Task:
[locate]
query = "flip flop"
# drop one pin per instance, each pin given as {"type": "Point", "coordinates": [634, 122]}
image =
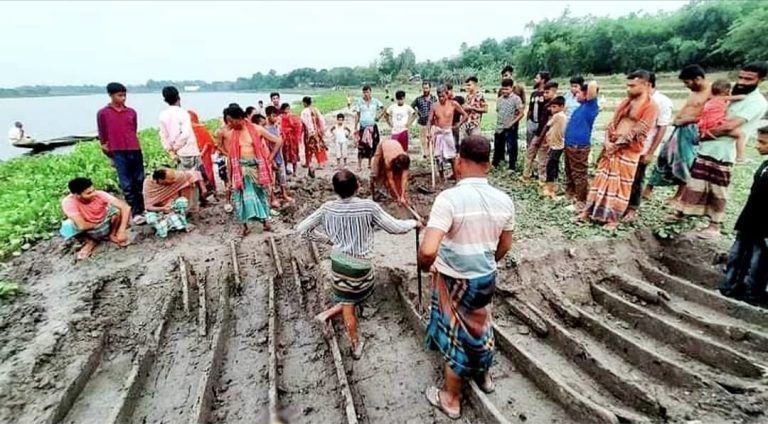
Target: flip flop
{"type": "Point", "coordinates": [433, 397]}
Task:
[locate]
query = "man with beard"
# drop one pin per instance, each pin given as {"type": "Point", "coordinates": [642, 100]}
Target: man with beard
{"type": "Point", "coordinates": [609, 195]}
{"type": "Point", "coordinates": [274, 97]}
{"type": "Point", "coordinates": [676, 156]}
{"type": "Point", "coordinates": [706, 191]}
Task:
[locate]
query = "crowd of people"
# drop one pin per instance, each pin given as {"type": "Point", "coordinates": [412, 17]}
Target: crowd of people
{"type": "Point", "coordinates": [470, 224]}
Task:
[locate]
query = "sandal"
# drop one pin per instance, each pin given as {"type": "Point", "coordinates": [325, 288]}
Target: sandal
{"type": "Point", "coordinates": [433, 397]}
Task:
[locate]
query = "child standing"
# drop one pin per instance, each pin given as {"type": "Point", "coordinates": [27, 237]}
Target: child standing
{"type": "Point", "coordinates": [555, 136]}
{"type": "Point", "coordinates": [398, 116]}
{"type": "Point", "coordinates": [341, 136]}
{"type": "Point", "coordinates": [279, 164]}
{"type": "Point", "coordinates": [715, 113]}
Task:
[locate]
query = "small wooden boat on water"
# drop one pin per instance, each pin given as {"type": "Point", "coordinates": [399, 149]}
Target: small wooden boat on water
{"type": "Point", "coordinates": [53, 143]}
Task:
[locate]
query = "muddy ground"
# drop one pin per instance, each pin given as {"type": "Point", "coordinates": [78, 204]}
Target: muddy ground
{"type": "Point", "coordinates": [189, 330]}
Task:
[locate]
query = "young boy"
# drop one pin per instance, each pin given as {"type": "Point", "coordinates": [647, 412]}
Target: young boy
{"type": "Point", "coordinates": [398, 115]}
{"type": "Point", "coordinates": [341, 136]}
{"type": "Point", "coordinates": [117, 124]}
{"type": "Point", "coordinates": [555, 135]}
{"type": "Point", "coordinates": [746, 274]}
{"type": "Point", "coordinates": [537, 149]}
{"type": "Point", "coordinates": [279, 164]}
{"type": "Point", "coordinates": [715, 112]}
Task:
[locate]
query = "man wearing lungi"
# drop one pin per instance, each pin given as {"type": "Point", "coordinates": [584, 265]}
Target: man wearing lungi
{"type": "Point", "coordinates": [441, 129]}
{"type": "Point", "coordinates": [348, 224]}
{"type": "Point", "coordinates": [469, 230]}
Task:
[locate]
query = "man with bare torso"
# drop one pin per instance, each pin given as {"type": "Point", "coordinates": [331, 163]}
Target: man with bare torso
{"type": "Point", "coordinates": [441, 128]}
{"type": "Point", "coordinates": [677, 154]}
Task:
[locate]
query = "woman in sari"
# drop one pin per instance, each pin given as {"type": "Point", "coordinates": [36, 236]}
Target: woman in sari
{"type": "Point", "coordinates": [249, 166]}
{"type": "Point", "coordinates": [205, 144]}
{"type": "Point", "coordinates": [608, 197]}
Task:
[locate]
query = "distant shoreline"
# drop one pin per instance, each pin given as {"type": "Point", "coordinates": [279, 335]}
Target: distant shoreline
{"type": "Point", "coordinates": [285, 90]}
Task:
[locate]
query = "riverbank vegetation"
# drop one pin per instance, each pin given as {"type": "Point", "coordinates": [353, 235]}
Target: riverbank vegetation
{"type": "Point", "coordinates": [32, 188]}
{"type": "Point", "coordinates": [716, 34]}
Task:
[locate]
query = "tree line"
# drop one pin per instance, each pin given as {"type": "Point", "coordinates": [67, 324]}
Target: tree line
{"type": "Point", "coordinates": [716, 34]}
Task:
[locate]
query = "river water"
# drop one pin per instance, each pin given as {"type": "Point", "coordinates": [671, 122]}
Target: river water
{"type": "Point", "coordinates": [49, 117]}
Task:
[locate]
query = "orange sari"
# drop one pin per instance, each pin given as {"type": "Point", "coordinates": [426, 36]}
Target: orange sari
{"type": "Point", "coordinates": [205, 144]}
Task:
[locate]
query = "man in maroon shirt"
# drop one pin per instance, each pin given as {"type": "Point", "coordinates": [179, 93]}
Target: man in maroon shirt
{"type": "Point", "coordinates": [117, 125]}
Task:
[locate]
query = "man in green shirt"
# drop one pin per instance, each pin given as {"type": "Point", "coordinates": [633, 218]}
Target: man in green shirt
{"type": "Point", "coordinates": [706, 192]}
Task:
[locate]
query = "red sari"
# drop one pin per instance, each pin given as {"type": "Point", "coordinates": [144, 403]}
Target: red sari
{"type": "Point", "coordinates": [290, 125]}
{"type": "Point", "coordinates": [205, 144]}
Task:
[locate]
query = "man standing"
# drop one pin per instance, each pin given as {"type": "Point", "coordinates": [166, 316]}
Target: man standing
{"type": "Point", "coordinates": [117, 126]}
{"type": "Point", "coordinates": [469, 230]}
{"type": "Point", "coordinates": [399, 116]}
{"type": "Point", "coordinates": [475, 107]}
{"type": "Point", "coordinates": [538, 150]}
{"type": "Point", "coordinates": [441, 129]}
{"type": "Point", "coordinates": [509, 111]}
{"type": "Point", "coordinates": [314, 128]}
{"type": "Point", "coordinates": [609, 195]}
{"type": "Point", "coordinates": [673, 166]}
{"type": "Point", "coordinates": [290, 126]}
{"type": "Point", "coordinates": [274, 97]}
{"type": "Point", "coordinates": [571, 97]}
{"type": "Point", "coordinates": [248, 166]}
{"type": "Point", "coordinates": [367, 114]}
{"type": "Point", "coordinates": [746, 274]}
{"type": "Point", "coordinates": [652, 142]}
{"type": "Point", "coordinates": [706, 193]}
{"type": "Point", "coordinates": [422, 105]}
{"type": "Point", "coordinates": [177, 135]}
{"type": "Point", "coordinates": [537, 106]}
{"type": "Point", "coordinates": [349, 224]}
{"type": "Point", "coordinates": [507, 73]}
{"type": "Point", "coordinates": [578, 142]}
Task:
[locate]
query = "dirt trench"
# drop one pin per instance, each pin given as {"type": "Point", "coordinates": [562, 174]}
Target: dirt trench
{"type": "Point", "coordinates": [206, 327]}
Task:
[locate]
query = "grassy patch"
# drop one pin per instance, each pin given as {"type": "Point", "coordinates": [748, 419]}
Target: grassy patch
{"type": "Point", "coordinates": [8, 290]}
{"type": "Point", "coordinates": [34, 186]}
{"type": "Point", "coordinates": [326, 102]}
{"type": "Point", "coordinates": [542, 218]}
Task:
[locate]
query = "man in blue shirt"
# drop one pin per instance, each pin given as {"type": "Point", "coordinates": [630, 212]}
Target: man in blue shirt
{"type": "Point", "coordinates": [578, 135]}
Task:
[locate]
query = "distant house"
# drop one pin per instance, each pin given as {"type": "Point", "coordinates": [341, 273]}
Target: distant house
{"type": "Point", "coordinates": [191, 88]}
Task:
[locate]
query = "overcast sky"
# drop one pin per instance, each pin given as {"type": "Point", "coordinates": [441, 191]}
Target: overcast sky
{"type": "Point", "coordinates": [97, 42]}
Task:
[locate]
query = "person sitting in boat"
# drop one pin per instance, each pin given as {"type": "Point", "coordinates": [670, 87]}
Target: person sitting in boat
{"type": "Point", "coordinates": [17, 135]}
{"type": "Point", "coordinates": [93, 216]}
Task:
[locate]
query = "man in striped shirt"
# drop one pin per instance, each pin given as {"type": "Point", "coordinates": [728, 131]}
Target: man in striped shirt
{"type": "Point", "coordinates": [348, 224]}
{"type": "Point", "coordinates": [469, 230]}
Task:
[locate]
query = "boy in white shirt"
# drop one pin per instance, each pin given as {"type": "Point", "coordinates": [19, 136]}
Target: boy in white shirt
{"type": "Point", "coordinates": [398, 115]}
{"type": "Point", "coordinates": [341, 136]}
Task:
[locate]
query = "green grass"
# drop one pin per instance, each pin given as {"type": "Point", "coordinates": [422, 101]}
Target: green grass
{"type": "Point", "coordinates": [325, 102]}
{"type": "Point", "coordinates": [34, 186]}
{"type": "Point", "coordinates": [8, 290]}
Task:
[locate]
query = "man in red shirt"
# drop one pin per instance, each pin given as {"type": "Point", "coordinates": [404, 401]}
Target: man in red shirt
{"type": "Point", "coordinates": [117, 125]}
